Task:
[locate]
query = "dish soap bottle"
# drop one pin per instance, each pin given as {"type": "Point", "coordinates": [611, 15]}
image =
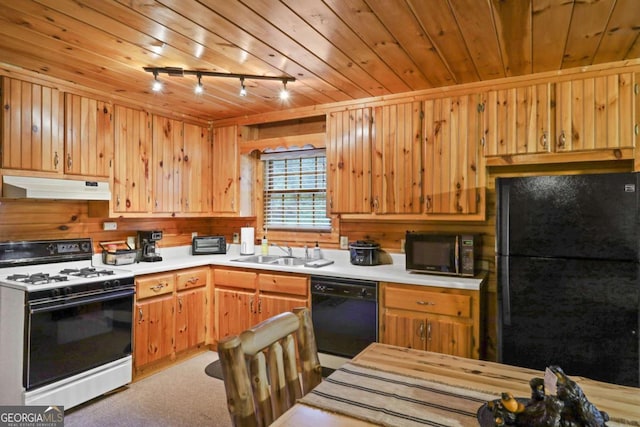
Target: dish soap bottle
{"type": "Point", "coordinates": [265, 245]}
{"type": "Point", "coordinates": [316, 252]}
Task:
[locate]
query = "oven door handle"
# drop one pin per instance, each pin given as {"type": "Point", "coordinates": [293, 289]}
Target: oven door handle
{"type": "Point", "coordinates": [80, 300]}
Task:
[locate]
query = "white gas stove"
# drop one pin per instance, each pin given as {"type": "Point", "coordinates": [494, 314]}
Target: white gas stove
{"type": "Point", "coordinates": [66, 325]}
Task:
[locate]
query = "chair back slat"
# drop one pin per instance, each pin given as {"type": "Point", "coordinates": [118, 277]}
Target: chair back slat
{"type": "Point", "coordinates": [266, 368]}
{"type": "Point", "coordinates": [311, 370]}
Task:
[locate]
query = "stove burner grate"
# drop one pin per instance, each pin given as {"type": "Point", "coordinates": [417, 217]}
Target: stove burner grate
{"type": "Point", "coordinates": [86, 272]}
{"type": "Point", "coordinates": [37, 278]}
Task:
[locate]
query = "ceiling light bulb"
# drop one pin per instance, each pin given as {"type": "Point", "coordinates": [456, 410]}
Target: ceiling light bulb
{"type": "Point", "coordinates": [284, 94]}
{"type": "Point", "coordinates": [199, 88]}
{"type": "Point", "coordinates": [243, 90]}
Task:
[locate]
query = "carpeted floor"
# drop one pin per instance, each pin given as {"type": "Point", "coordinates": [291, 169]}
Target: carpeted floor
{"type": "Point", "coordinates": [182, 395]}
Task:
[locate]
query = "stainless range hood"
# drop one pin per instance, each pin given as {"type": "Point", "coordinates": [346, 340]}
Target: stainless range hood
{"type": "Point", "coordinates": [24, 187]}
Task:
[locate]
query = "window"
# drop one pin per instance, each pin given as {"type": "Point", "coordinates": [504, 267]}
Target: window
{"type": "Point", "coordinates": [295, 190]}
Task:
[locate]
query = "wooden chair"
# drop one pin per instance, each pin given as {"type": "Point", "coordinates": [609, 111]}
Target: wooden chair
{"type": "Point", "coordinates": [262, 375]}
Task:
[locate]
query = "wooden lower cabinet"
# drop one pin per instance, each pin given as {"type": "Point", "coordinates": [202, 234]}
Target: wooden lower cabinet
{"type": "Point", "coordinates": [170, 316]}
{"type": "Point", "coordinates": [435, 319]}
{"type": "Point", "coordinates": [246, 297]}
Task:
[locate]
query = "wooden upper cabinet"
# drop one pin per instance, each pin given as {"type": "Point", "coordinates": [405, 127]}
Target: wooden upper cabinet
{"type": "Point", "coordinates": [595, 113]}
{"type": "Point", "coordinates": [32, 126]}
{"type": "Point", "coordinates": [453, 169]}
{"type": "Point", "coordinates": [349, 147]}
{"type": "Point", "coordinates": [88, 144]}
{"type": "Point", "coordinates": [167, 154]}
{"type": "Point", "coordinates": [226, 170]}
{"type": "Point", "coordinates": [397, 158]}
{"type": "Point", "coordinates": [132, 154]}
{"type": "Point", "coordinates": [590, 115]}
{"type": "Point", "coordinates": [519, 120]}
{"type": "Point", "coordinates": [196, 170]}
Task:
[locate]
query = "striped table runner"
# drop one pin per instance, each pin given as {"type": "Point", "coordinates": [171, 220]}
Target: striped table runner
{"type": "Point", "coordinates": [395, 400]}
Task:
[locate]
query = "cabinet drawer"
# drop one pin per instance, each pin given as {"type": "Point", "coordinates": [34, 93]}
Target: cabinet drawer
{"type": "Point", "coordinates": [428, 302]}
{"type": "Point", "coordinates": [194, 278]}
{"type": "Point", "coordinates": [234, 278]}
{"type": "Point", "coordinates": [292, 285]}
{"type": "Point", "coordinates": [157, 284]}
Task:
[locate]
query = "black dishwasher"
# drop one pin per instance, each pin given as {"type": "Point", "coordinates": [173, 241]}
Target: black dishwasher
{"type": "Point", "coordinates": [344, 313]}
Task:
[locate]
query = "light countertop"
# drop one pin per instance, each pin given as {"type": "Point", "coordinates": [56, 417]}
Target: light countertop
{"type": "Point", "coordinates": [180, 257]}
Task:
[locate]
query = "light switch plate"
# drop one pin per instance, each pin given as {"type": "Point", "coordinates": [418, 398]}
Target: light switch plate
{"type": "Point", "coordinates": [344, 242]}
{"type": "Point", "coordinates": [194, 234]}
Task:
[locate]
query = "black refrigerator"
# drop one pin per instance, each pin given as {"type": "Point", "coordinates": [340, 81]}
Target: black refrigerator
{"type": "Point", "coordinates": [568, 265]}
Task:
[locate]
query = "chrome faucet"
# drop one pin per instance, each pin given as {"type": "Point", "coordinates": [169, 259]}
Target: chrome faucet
{"type": "Point", "coordinates": [286, 250]}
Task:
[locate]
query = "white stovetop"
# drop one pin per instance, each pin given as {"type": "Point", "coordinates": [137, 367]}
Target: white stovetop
{"type": "Point", "coordinates": [180, 257]}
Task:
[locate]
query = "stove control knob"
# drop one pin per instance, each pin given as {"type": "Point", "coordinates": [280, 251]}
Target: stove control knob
{"type": "Point", "coordinates": [363, 292]}
{"type": "Point", "coordinates": [67, 290]}
{"type": "Point", "coordinates": [55, 292]}
{"type": "Point", "coordinates": [116, 283]}
{"type": "Point", "coordinates": [106, 284]}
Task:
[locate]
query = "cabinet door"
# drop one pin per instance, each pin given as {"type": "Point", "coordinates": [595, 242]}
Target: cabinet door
{"type": "Point", "coordinates": [414, 330]}
{"type": "Point", "coordinates": [190, 319]}
{"type": "Point", "coordinates": [403, 329]}
{"type": "Point", "coordinates": [88, 144]}
{"type": "Point", "coordinates": [32, 126]}
{"type": "Point", "coordinates": [131, 181]}
{"type": "Point", "coordinates": [349, 148]}
{"type": "Point", "coordinates": [519, 120]}
{"type": "Point", "coordinates": [196, 170]}
{"type": "Point", "coordinates": [226, 170]}
{"type": "Point", "coordinates": [397, 159]}
{"type": "Point", "coordinates": [153, 332]}
{"type": "Point", "coordinates": [452, 174]}
{"type": "Point", "coordinates": [167, 163]}
{"type": "Point", "coordinates": [595, 113]}
{"type": "Point", "coordinates": [234, 311]}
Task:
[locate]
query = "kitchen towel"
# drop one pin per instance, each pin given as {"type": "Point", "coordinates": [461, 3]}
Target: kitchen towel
{"type": "Point", "coordinates": [247, 241]}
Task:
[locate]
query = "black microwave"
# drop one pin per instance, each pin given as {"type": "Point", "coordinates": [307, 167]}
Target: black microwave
{"type": "Point", "coordinates": [442, 253]}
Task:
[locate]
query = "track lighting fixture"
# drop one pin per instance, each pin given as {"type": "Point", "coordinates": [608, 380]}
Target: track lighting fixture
{"type": "Point", "coordinates": [179, 72]}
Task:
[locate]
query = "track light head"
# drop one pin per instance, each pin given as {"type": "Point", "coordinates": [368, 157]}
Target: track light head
{"type": "Point", "coordinates": [199, 88]}
{"type": "Point", "coordinates": [284, 93]}
{"type": "Point", "coordinates": [157, 84]}
{"type": "Point", "coordinates": [243, 90]}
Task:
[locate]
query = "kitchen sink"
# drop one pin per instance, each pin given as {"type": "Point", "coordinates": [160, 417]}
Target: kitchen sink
{"type": "Point", "coordinates": [272, 259]}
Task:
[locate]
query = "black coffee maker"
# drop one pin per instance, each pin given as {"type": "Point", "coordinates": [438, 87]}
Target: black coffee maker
{"type": "Point", "coordinates": [148, 246]}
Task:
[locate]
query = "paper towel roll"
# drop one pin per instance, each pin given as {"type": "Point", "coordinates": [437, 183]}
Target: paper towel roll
{"type": "Point", "coordinates": [247, 241]}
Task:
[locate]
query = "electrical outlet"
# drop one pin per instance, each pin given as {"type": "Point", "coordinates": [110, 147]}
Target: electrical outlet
{"type": "Point", "coordinates": [402, 242]}
{"type": "Point", "coordinates": [236, 238]}
{"type": "Point", "coordinates": [194, 234]}
{"type": "Point", "coordinates": [109, 226]}
{"type": "Point", "coordinates": [344, 242]}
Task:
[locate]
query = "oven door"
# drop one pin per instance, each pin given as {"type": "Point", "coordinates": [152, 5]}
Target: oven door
{"type": "Point", "coordinates": [66, 337]}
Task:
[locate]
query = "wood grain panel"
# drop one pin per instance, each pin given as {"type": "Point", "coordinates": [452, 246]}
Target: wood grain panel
{"type": "Point", "coordinates": [167, 154]}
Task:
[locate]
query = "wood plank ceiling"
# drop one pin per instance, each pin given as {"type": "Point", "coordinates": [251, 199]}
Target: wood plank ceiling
{"type": "Point", "coordinates": [336, 49]}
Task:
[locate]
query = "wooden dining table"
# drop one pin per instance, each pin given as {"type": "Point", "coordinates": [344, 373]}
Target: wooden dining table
{"type": "Point", "coordinates": [478, 380]}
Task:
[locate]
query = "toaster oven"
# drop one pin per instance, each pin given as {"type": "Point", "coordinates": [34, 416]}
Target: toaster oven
{"type": "Point", "coordinates": [206, 245]}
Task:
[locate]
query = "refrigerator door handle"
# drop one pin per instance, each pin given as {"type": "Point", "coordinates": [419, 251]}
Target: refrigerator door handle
{"type": "Point", "coordinates": [506, 297]}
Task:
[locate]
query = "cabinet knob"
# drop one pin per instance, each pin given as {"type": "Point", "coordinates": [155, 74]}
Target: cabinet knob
{"type": "Point", "coordinates": [562, 139]}
{"type": "Point", "coordinates": [69, 161]}
{"type": "Point", "coordinates": [140, 315]}
{"type": "Point", "coordinates": [543, 139]}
